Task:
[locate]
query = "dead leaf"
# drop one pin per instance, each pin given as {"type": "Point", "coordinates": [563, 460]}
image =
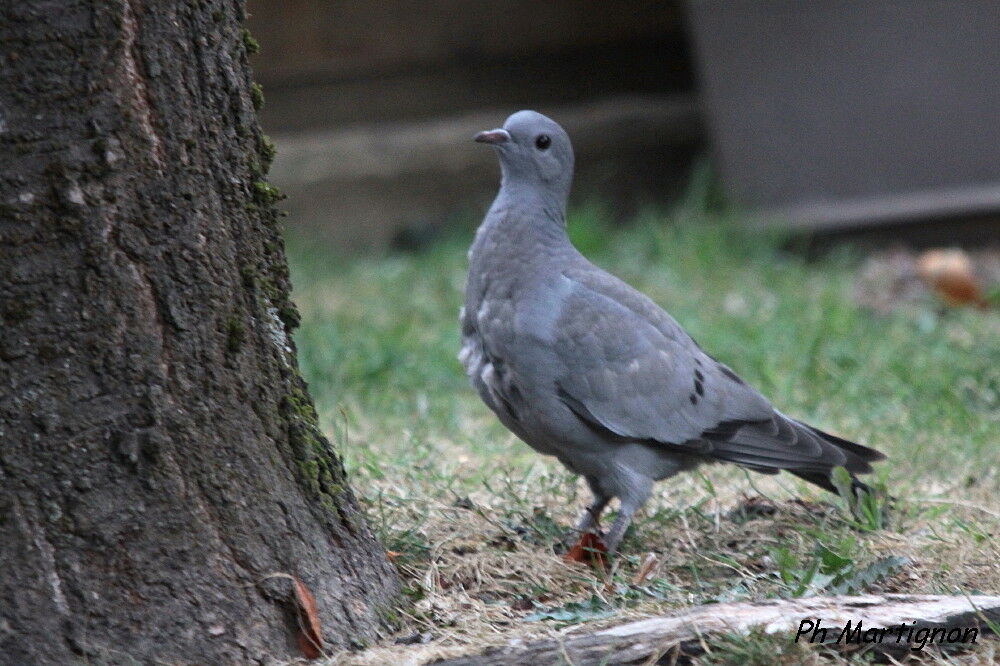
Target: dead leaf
{"type": "Point", "coordinates": [949, 274]}
{"type": "Point", "coordinates": [391, 555]}
{"type": "Point", "coordinates": [589, 549]}
{"type": "Point", "coordinates": [644, 569]}
{"type": "Point", "coordinates": [309, 638]}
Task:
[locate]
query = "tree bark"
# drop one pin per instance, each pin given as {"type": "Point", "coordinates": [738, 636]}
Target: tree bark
{"type": "Point", "coordinates": [159, 453]}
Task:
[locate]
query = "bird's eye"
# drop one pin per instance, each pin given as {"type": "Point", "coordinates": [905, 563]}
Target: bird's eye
{"type": "Point", "coordinates": [543, 141]}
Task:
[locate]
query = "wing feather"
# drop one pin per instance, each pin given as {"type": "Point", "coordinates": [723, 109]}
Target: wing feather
{"type": "Point", "coordinates": [628, 368]}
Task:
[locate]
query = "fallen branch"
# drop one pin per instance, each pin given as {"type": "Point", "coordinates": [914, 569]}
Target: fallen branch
{"type": "Point", "coordinates": [960, 621]}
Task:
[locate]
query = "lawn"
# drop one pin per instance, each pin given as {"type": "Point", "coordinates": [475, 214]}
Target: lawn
{"type": "Point", "coordinates": [471, 514]}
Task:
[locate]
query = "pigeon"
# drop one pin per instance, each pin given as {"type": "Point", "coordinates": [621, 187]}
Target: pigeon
{"type": "Point", "coordinates": [581, 366]}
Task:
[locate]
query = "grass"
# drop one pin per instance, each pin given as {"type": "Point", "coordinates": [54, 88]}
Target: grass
{"type": "Point", "coordinates": [471, 513]}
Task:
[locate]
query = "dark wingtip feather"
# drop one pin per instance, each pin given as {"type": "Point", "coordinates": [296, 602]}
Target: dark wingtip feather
{"type": "Point", "coordinates": [816, 478]}
{"type": "Point", "coordinates": [824, 481]}
{"type": "Point", "coordinates": [859, 459]}
{"type": "Point", "coordinates": [867, 454]}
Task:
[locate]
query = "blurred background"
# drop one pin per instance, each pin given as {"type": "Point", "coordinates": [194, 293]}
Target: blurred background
{"type": "Point", "coordinates": [844, 116]}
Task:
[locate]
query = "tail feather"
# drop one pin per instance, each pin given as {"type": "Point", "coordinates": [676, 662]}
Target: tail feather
{"type": "Point", "coordinates": [824, 481]}
{"type": "Point", "coordinates": [864, 453]}
{"type": "Point", "coordinates": [786, 444]}
{"type": "Point", "coordinates": [858, 461]}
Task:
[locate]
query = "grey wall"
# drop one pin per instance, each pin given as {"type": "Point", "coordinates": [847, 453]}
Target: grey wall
{"type": "Point", "coordinates": [852, 111]}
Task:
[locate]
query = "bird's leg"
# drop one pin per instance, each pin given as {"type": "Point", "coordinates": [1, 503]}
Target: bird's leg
{"type": "Point", "coordinates": [588, 520]}
{"type": "Point", "coordinates": [583, 542]}
{"type": "Point", "coordinates": [630, 502]}
{"type": "Point", "coordinates": [591, 516]}
{"type": "Point", "coordinates": [614, 536]}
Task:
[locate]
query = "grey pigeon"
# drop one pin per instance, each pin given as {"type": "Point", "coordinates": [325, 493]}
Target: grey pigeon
{"type": "Point", "coordinates": [583, 367]}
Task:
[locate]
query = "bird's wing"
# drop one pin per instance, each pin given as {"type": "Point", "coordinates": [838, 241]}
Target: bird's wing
{"type": "Point", "coordinates": [628, 369]}
{"type": "Point", "coordinates": [640, 376]}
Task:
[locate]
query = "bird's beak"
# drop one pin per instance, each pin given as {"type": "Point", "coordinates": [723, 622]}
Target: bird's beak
{"type": "Point", "coordinates": [494, 137]}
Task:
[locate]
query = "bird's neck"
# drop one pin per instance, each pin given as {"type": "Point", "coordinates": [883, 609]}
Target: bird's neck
{"type": "Point", "coordinates": [528, 186]}
{"type": "Point", "coordinates": [521, 231]}
{"type": "Point", "coordinates": [529, 215]}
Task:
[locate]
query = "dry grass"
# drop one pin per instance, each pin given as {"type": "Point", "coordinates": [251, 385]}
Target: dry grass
{"type": "Point", "coordinates": [473, 514]}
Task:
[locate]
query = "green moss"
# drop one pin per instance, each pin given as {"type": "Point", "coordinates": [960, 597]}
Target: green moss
{"type": "Point", "coordinates": [269, 290]}
{"type": "Point", "coordinates": [321, 470]}
{"type": "Point", "coordinates": [275, 297]}
{"type": "Point", "coordinates": [299, 404]}
{"type": "Point", "coordinates": [267, 151]}
{"type": "Point", "coordinates": [310, 472]}
{"type": "Point", "coordinates": [266, 194]}
{"type": "Point", "coordinates": [257, 96]}
{"type": "Point", "coordinates": [249, 276]}
{"type": "Point", "coordinates": [389, 616]}
{"type": "Point", "coordinates": [252, 45]}
{"type": "Point", "coordinates": [289, 314]}
{"type": "Point", "coordinates": [235, 334]}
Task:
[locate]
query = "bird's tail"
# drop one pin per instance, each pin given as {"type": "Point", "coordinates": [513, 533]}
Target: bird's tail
{"type": "Point", "coordinates": [857, 460]}
{"type": "Point", "coordinates": [781, 443]}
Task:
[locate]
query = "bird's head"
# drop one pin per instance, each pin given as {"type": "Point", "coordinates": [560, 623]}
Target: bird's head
{"type": "Point", "coordinates": [534, 151]}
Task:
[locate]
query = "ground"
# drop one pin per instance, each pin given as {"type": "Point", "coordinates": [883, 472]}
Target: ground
{"type": "Point", "coordinates": [470, 514]}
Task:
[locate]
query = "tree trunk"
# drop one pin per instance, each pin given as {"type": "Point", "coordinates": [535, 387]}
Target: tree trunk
{"type": "Point", "coordinates": [159, 454]}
